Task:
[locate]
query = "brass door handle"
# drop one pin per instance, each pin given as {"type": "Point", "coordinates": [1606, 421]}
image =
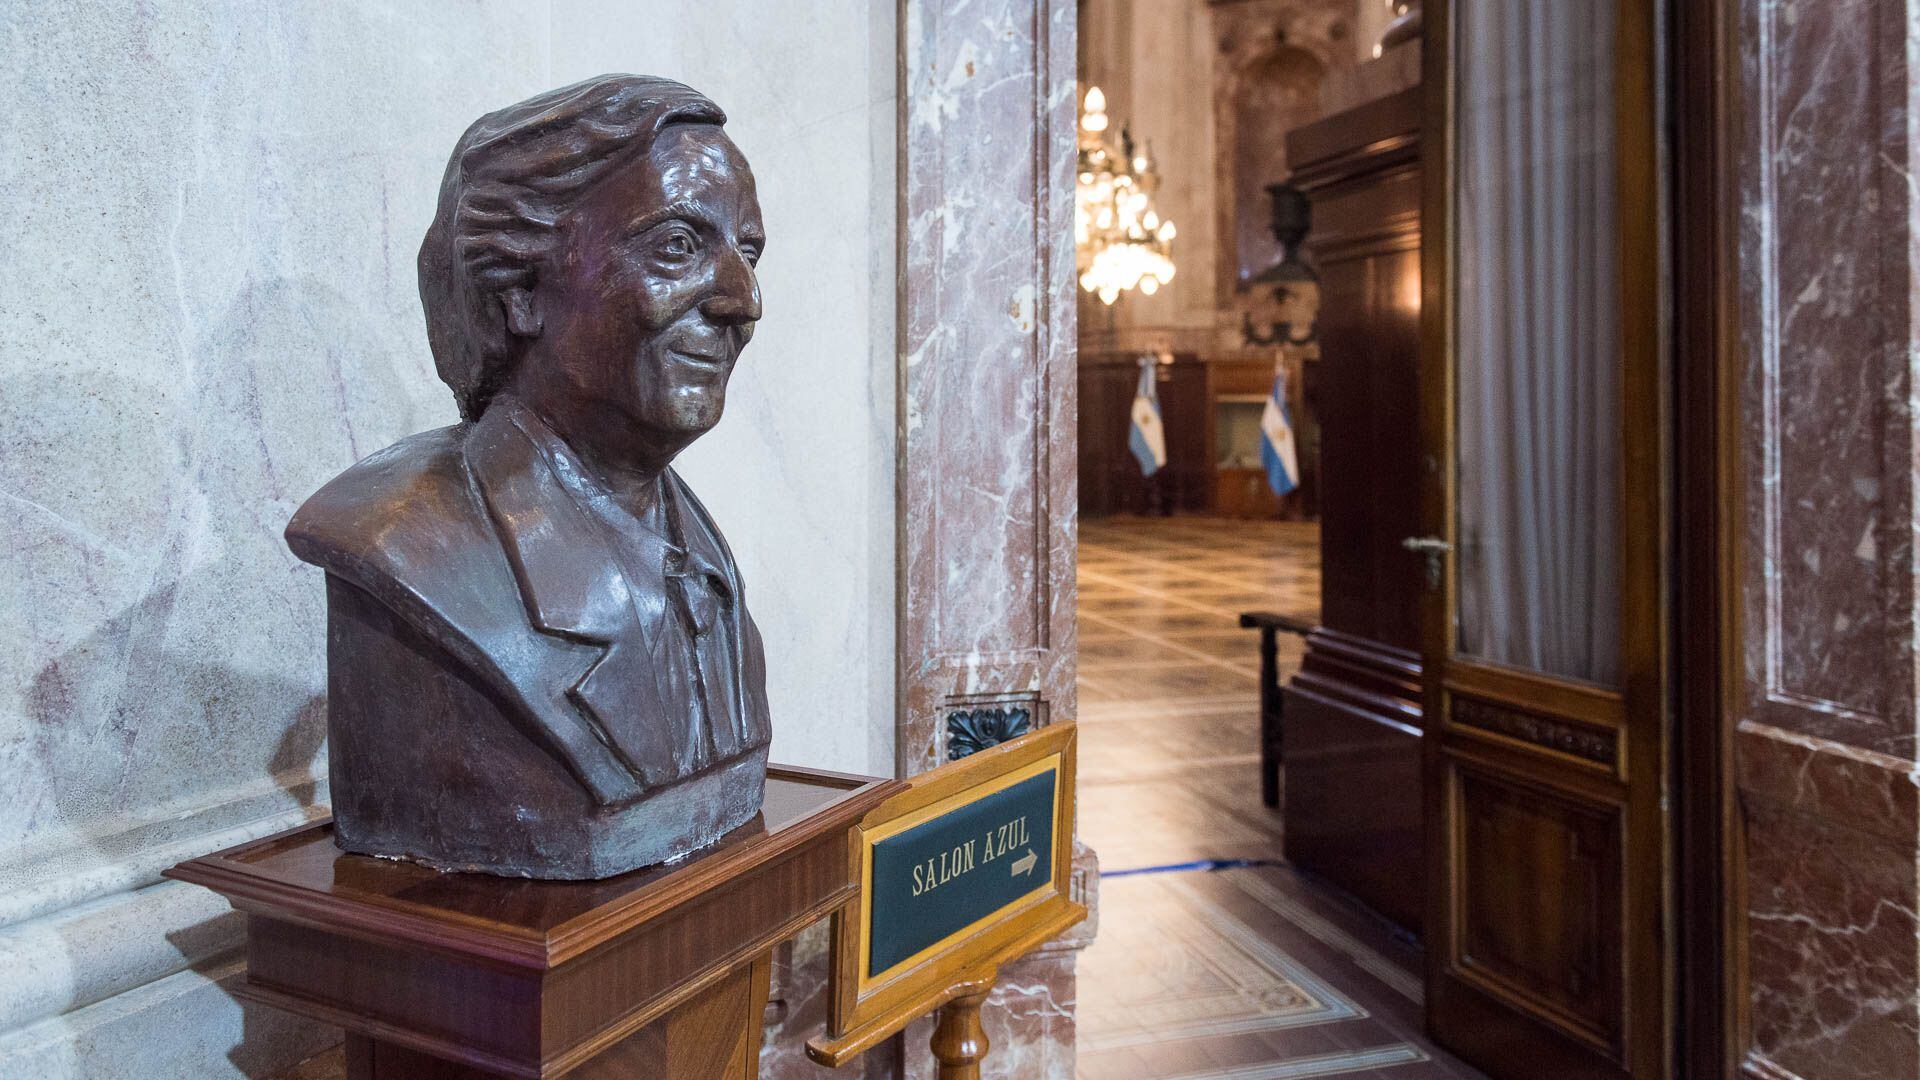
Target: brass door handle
{"type": "Point", "coordinates": [1435, 549]}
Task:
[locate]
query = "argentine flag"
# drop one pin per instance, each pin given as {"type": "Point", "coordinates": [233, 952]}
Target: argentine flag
{"type": "Point", "coordinates": [1276, 440]}
{"type": "Point", "coordinates": [1148, 442]}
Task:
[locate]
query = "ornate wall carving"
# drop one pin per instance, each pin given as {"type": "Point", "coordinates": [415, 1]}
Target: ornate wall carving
{"type": "Point", "coordinates": [1263, 62]}
{"type": "Point", "coordinates": [1271, 57]}
{"type": "Point", "coordinates": [1598, 745]}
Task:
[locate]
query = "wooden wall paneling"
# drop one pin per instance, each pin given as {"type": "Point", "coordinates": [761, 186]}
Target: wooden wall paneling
{"type": "Point", "coordinates": [1104, 397]}
{"type": "Point", "coordinates": [1353, 712]}
{"type": "Point", "coordinates": [1361, 169]}
{"type": "Point", "coordinates": [1186, 484]}
{"type": "Point", "coordinates": [1110, 478]}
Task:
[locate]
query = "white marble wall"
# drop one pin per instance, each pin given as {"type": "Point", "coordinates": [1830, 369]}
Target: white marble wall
{"type": "Point", "coordinates": [207, 308]}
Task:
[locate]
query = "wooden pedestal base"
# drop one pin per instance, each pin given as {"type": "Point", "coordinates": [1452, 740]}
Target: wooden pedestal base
{"type": "Point", "coordinates": [712, 1036]}
{"type": "Point", "coordinates": [658, 973]}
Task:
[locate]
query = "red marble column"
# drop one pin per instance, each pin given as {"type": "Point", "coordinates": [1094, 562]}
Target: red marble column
{"type": "Point", "coordinates": [988, 424]}
{"type": "Point", "coordinates": [987, 485]}
{"type": "Point", "coordinates": [1825, 744]}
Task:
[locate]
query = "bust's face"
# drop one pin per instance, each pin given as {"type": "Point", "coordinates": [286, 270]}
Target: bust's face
{"type": "Point", "coordinates": [652, 296]}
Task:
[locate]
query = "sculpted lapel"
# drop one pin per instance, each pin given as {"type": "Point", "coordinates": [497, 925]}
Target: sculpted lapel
{"type": "Point", "coordinates": [585, 599]}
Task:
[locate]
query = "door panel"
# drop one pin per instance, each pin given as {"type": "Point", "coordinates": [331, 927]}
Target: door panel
{"type": "Point", "coordinates": [1538, 893]}
{"type": "Point", "coordinates": [1543, 375]}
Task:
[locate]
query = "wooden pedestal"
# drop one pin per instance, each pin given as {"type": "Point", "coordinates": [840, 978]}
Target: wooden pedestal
{"type": "Point", "coordinates": [661, 972]}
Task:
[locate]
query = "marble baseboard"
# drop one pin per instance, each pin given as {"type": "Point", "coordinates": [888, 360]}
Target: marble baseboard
{"type": "Point", "coordinates": [80, 870]}
{"type": "Point", "coordinates": [1833, 887]}
{"type": "Point", "coordinates": [74, 959]}
{"type": "Point", "coordinates": [91, 991]}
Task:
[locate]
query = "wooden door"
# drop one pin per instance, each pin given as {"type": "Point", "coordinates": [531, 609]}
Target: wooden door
{"type": "Point", "coordinates": [1544, 622]}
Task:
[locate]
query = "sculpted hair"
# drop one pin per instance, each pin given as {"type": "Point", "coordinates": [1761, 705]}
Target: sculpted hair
{"type": "Point", "coordinates": [512, 177]}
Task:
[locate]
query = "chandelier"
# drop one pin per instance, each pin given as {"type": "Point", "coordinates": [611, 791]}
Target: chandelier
{"type": "Point", "coordinates": [1120, 241]}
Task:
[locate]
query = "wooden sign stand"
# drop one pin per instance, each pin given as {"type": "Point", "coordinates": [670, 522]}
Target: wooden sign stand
{"type": "Point", "coordinates": [661, 972]}
{"type": "Point", "coordinates": [959, 1038]}
{"type": "Point", "coordinates": [974, 816]}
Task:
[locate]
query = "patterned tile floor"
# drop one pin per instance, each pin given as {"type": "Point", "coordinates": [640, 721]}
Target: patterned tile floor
{"type": "Point", "coordinates": [1242, 974]}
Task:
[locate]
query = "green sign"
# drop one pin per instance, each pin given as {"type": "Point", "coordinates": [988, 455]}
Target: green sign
{"type": "Point", "coordinates": [943, 875]}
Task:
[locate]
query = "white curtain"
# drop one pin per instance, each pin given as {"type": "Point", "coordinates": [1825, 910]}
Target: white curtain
{"type": "Point", "coordinates": [1539, 366]}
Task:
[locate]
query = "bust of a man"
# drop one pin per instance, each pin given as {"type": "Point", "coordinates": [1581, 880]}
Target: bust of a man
{"type": "Point", "coordinates": [539, 654]}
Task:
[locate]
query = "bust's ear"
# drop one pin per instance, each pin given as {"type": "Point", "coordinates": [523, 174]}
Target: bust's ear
{"type": "Point", "coordinates": [523, 315]}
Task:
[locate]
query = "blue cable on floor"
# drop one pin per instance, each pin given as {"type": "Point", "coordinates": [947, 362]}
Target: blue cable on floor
{"type": "Point", "coordinates": [1201, 864]}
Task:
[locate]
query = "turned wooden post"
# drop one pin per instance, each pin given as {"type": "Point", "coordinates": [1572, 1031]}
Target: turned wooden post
{"type": "Point", "coordinates": [959, 1038]}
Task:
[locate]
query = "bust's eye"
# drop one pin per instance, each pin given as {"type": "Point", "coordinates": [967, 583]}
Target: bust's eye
{"type": "Point", "coordinates": [678, 243]}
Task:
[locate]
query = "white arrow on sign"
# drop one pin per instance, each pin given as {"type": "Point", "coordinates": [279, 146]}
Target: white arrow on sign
{"type": "Point", "coordinates": [1025, 863]}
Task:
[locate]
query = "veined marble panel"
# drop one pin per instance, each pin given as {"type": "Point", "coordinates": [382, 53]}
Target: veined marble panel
{"type": "Point", "coordinates": [1827, 322]}
{"type": "Point", "coordinates": [988, 425]}
{"type": "Point", "coordinates": [1833, 939]}
{"type": "Point", "coordinates": [987, 417]}
{"type": "Point", "coordinates": [1825, 750]}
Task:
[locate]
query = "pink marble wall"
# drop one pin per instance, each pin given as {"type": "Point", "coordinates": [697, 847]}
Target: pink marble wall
{"type": "Point", "coordinates": [986, 455]}
{"type": "Point", "coordinates": [988, 424]}
{"type": "Point", "coordinates": [987, 427]}
{"type": "Point", "coordinates": [1826, 742]}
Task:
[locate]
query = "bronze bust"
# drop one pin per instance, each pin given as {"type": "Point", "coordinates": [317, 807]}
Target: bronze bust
{"type": "Point", "coordinates": [540, 661]}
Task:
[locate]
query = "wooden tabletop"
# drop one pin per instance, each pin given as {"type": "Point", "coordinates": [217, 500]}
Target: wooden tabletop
{"type": "Point", "coordinates": [300, 876]}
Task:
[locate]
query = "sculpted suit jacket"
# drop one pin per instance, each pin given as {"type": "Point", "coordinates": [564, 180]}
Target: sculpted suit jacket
{"type": "Point", "coordinates": [516, 682]}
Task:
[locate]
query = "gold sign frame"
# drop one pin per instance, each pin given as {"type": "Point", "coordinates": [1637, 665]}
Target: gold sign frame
{"type": "Point", "coordinates": [864, 1010]}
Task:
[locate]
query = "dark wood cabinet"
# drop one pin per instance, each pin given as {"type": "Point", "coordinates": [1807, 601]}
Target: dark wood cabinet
{"type": "Point", "coordinates": [1353, 713]}
{"type": "Point", "coordinates": [1238, 388]}
{"type": "Point", "coordinates": [1110, 480]}
{"type": "Point", "coordinates": [1197, 403]}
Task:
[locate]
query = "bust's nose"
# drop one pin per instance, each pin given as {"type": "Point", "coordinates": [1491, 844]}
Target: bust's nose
{"type": "Point", "coordinates": [736, 294]}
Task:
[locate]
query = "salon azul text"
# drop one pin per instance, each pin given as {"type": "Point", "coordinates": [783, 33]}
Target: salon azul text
{"type": "Point", "coordinates": [978, 853]}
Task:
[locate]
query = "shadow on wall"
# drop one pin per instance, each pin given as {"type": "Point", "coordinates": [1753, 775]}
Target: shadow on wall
{"type": "Point", "coordinates": [203, 701]}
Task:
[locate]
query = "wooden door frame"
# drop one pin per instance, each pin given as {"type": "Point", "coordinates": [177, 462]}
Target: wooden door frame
{"type": "Point", "coordinates": [1711, 936]}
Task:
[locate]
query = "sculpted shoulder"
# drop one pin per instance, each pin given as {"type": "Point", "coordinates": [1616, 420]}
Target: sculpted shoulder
{"type": "Point", "coordinates": [405, 516]}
